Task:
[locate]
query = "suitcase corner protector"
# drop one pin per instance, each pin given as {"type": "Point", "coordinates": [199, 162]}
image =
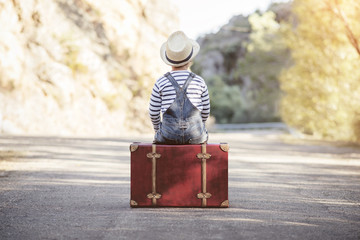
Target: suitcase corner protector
{"type": "Point", "coordinates": [134, 147]}
{"type": "Point", "coordinates": [225, 204]}
{"type": "Point", "coordinates": [224, 146]}
{"type": "Point", "coordinates": [133, 203]}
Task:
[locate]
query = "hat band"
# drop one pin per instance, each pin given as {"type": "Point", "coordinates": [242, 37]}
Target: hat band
{"type": "Point", "coordinates": [182, 61]}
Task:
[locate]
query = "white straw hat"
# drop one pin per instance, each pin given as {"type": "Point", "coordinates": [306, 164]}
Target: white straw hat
{"type": "Point", "coordinates": [178, 50]}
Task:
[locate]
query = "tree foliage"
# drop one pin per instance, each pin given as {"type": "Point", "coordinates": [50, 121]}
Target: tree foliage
{"type": "Point", "coordinates": [241, 64]}
{"type": "Point", "coordinates": [266, 55]}
{"type": "Point", "coordinates": [322, 87]}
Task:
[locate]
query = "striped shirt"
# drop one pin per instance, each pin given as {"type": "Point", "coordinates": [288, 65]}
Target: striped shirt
{"type": "Point", "coordinates": [163, 95]}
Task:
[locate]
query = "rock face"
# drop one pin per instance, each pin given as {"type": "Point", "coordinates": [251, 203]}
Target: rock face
{"type": "Point", "coordinates": [80, 67]}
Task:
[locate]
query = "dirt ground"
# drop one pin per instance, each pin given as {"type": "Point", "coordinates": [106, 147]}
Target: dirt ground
{"type": "Point", "coordinates": [79, 188]}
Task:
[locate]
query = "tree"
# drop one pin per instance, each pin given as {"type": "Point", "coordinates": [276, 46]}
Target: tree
{"type": "Point", "coordinates": [266, 54]}
{"type": "Point", "coordinates": [322, 87]}
{"type": "Point", "coordinates": [241, 64]}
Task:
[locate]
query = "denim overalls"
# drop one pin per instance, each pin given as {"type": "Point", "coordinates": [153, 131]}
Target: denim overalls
{"type": "Point", "coordinates": [182, 122]}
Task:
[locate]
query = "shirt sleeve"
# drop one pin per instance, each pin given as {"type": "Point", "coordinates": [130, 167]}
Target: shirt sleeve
{"type": "Point", "coordinates": [155, 107]}
{"type": "Point", "coordinates": [206, 104]}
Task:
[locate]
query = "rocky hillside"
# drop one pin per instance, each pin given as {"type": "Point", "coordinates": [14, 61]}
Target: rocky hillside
{"type": "Point", "coordinates": [80, 67]}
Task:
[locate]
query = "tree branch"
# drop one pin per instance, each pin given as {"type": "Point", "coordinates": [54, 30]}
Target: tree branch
{"type": "Point", "coordinates": [337, 11]}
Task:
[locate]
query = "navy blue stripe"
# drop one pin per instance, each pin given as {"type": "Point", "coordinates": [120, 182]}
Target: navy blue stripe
{"type": "Point", "coordinates": [157, 91]}
{"type": "Point", "coordinates": [180, 75]}
{"type": "Point", "coordinates": [170, 90]}
{"type": "Point", "coordinates": [180, 82]}
{"type": "Point", "coordinates": [152, 100]}
{"type": "Point", "coordinates": [161, 80]}
{"type": "Point", "coordinates": [168, 93]}
{"type": "Point", "coordinates": [194, 91]}
{"type": "Point", "coordinates": [155, 95]}
{"type": "Point", "coordinates": [170, 98]}
{"type": "Point", "coordinates": [198, 80]}
{"type": "Point", "coordinates": [155, 106]}
{"type": "Point", "coordinates": [164, 84]}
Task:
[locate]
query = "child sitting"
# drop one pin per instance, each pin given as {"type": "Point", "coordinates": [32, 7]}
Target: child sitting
{"type": "Point", "coordinates": [180, 95]}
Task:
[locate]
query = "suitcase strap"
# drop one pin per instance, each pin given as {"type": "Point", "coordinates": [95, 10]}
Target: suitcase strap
{"type": "Point", "coordinates": [153, 195]}
{"type": "Point", "coordinates": [203, 156]}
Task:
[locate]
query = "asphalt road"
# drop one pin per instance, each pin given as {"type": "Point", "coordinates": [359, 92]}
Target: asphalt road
{"type": "Point", "coordinates": [79, 188]}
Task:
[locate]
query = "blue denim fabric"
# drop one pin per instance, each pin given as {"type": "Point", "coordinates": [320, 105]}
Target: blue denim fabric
{"type": "Point", "coordinates": [182, 122]}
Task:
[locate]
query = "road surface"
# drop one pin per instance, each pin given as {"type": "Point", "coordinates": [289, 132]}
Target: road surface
{"type": "Point", "coordinates": [79, 188]}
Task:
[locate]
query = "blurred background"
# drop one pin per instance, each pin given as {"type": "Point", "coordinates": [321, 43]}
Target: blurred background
{"type": "Point", "coordinates": [87, 67]}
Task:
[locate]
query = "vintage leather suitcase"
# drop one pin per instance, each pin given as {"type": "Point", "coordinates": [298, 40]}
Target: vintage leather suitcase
{"type": "Point", "coordinates": [179, 175]}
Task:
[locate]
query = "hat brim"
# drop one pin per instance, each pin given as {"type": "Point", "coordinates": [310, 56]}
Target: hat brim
{"type": "Point", "coordinates": [196, 49]}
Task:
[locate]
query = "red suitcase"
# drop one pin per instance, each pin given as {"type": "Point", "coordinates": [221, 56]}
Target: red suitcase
{"type": "Point", "coordinates": [179, 175]}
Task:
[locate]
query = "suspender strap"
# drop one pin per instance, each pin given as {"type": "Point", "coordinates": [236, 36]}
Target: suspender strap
{"type": "Point", "coordinates": [188, 80]}
{"type": "Point", "coordinates": [173, 82]}
{"type": "Point", "coordinates": [176, 85]}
